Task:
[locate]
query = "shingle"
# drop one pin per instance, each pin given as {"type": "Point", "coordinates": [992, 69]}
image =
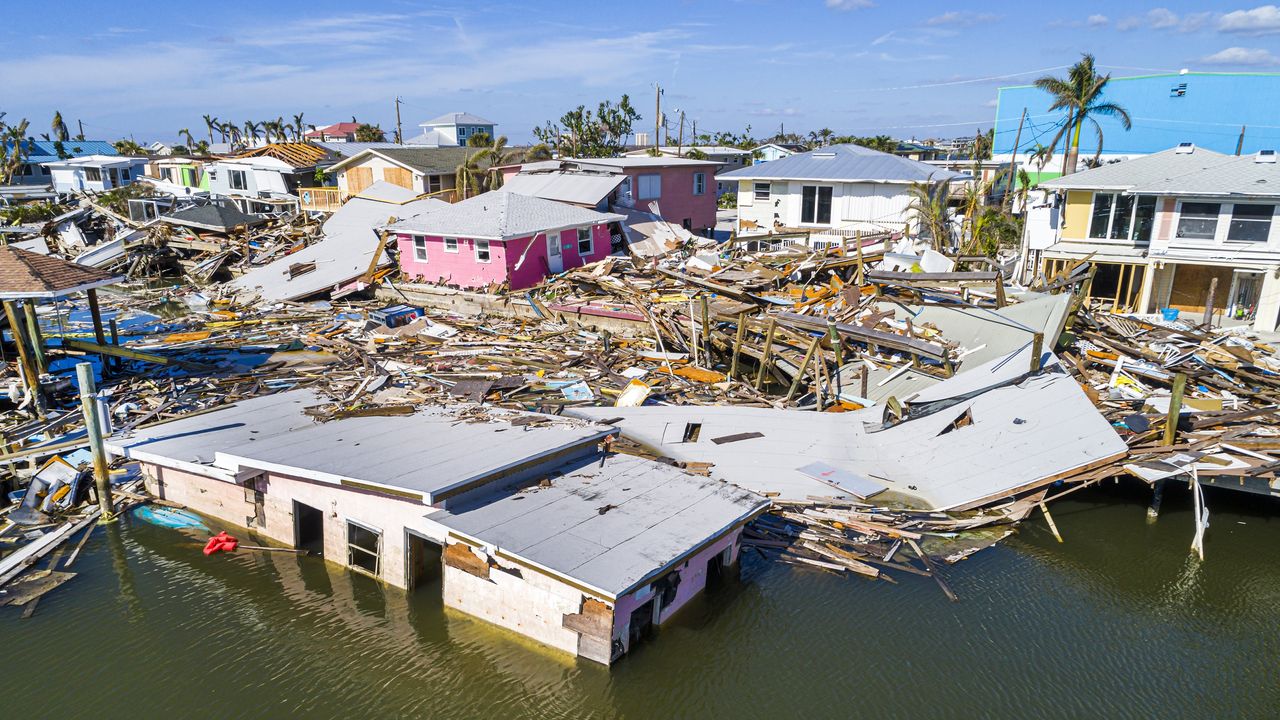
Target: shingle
{"type": "Point", "coordinates": [1128, 174]}
{"type": "Point", "coordinates": [501, 215]}
{"type": "Point", "coordinates": [223, 218]}
{"type": "Point", "coordinates": [27, 274]}
{"type": "Point", "coordinates": [844, 163]}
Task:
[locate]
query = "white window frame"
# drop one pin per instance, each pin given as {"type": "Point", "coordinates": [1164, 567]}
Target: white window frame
{"type": "Point", "coordinates": [434, 184]}
{"type": "Point", "coordinates": [761, 196]}
{"type": "Point", "coordinates": [590, 240]}
{"type": "Point", "coordinates": [488, 251]}
{"type": "Point", "coordinates": [91, 172]}
{"type": "Point", "coordinates": [419, 248]}
{"type": "Point", "coordinates": [351, 549]}
{"type": "Point", "coordinates": [1270, 220]}
{"type": "Point", "coordinates": [1217, 222]}
{"type": "Point", "coordinates": [231, 179]}
{"type": "Point", "coordinates": [453, 240]}
{"type": "Point", "coordinates": [653, 183]}
{"type": "Point", "coordinates": [699, 183]}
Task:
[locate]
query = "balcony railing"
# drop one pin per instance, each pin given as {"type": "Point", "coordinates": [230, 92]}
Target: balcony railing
{"type": "Point", "coordinates": [325, 199]}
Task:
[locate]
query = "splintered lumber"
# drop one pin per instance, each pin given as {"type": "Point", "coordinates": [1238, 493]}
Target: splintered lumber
{"type": "Point", "coordinates": [866, 335]}
{"type": "Point", "coordinates": [946, 590]}
{"type": "Point", "coordinates": [29, 554]}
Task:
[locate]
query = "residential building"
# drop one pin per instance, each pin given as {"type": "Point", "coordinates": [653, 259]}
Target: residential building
{"type": "Point", "coordinates": [775, 151]}
{"type": "Point", "coordinates": [728, 158]}
{"type": "Point", "coordinates": [342, 132]}
{"type": "Point", "coordinates": [1215, 111]}
{"type": "Point", "coordinates": [520, 520]}
{"type": "Point", "coordinates": [267, 178]}
{"type": "Point", "coordinates": [426, 170]}
{"type": "Point", "coordinates": [95, 173]}
{"type": "Point", "coordinates": [839, 189]}
{"type": "Point", "coordinates": [451, 129]}
{"type": "Point", "coordinates": [35, 172]}
{"type": "Point", "coordinates": [177, 175]}
{"type": "Point", "coordinates": [1179, 229]}
{"type": "Point", "coordinates": [501, 237]}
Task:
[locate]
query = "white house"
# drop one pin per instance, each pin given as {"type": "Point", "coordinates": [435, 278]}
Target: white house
{"type": "Point", "coordinates": [95, 173]}
{"type": "Point", "coordinates": [1182, 229]}
{"type": "Point", "coordinates": [266, 178]}
{"type": "Point", "coordinates": [840, 189]}
{"type": "Point", "coordinates": [451, 129]}
{"type": "Point", "coordinates": [775, 151]}
{"type": "Point", "coordinates": [425, 170]}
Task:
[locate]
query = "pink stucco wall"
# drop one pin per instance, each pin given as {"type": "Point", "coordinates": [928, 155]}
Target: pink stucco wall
{"type": "Point", "coordinates": [678, 201]}
{"type": "Point", "coordinates": [462, 269]}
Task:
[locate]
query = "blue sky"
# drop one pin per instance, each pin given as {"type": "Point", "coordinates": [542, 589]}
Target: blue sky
{"type": "Point", "coordinates": [148, 68]}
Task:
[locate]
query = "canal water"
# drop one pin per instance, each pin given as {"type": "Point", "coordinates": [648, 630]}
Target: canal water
{"type": "Point", "coordinates": [1118, 621]}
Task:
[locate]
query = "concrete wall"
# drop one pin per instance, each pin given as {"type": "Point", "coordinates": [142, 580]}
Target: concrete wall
{"type": "Point", "coordinates": [227, 502]}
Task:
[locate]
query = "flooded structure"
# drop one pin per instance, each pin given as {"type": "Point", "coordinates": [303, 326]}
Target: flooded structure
{"type": "Point", "coordinates": [532, 526]}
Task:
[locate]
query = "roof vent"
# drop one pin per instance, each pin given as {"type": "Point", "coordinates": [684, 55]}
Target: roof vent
{"type": "Point", "coordinates": [824, 155]}
{"type": "Point", "coordinates": [1185, 148]}
{"type": "Point", "coordinates": [1265, 156]}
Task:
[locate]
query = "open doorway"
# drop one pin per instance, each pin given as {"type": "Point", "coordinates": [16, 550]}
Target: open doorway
{"type": "Point", "coordinates": [308, 528]}
{"type": "Point", "coordinates": [641, 624]}
{"type": "Point", "coordinates": [423, 561]}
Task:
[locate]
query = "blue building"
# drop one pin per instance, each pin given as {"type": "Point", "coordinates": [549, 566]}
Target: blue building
{"type": "Point", "coordinates": [43, 151]}
{"type": "Point", "coordinates": [1208, 109]}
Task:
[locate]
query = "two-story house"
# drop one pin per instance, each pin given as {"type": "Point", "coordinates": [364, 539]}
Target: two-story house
{"type": "Point", "coordinates": [451, 129]}
{"type": "Point", "coordinates": [839, 189]}
{"type": "Point", "coordinates": [728, 159]}
{"type": "Point", "coordinates": [1182, 229]}
{"type": "Point", "coordinates": [266, 179]}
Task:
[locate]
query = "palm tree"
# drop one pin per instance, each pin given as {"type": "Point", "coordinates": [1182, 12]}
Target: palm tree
{"type": "Point", "coordinates": [297, 127]}
{"type": "Point", "coordinates": [211, 122]}
{"type": "Point", "coordinates": [251, 129]}
{"type": "Point", "coordinates": [468, 177]}
{"type": "Point", "coordinates": [13, 149]}
{"type": "Point", "coordinates": [1080, 94]}
{"type": "Point", "coordinates": [496, 155]}
{"type": "Point", "coordinates": [931, 212]}
{"type": "Point", "coordinates": [128, 147]}
{"type": "Point", "coordinates": [186, 133]}
{"type": "Point", "coordinates": [59, 128]}
{"type": "Point", "coordinates": [538, 153]}
{"type": "Point", "coordinates": [201, 148]}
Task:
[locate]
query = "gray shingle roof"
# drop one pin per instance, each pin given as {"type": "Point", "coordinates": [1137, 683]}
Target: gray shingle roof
{"type": "Point", "coordinates": [501, 215]}
{"type": "Point", "coordinates": [1128, 174]}
{"type": "Point", "coordinates": [844, 163]}
{"type": "Point", "coordinates": [458, 118]}
{"type": "Point", "coordinates": [222, 218]}
{"type": "Point", "coordinates": [1234, 176]}
{"type": "Point", "coordinates": [429, 160]}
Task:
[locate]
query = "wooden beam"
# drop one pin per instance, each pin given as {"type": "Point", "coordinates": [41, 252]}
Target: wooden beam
{"type": "Point", "coordinates": [867, 335]}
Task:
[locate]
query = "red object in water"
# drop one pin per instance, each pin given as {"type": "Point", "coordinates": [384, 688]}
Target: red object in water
{"type": "Point", "coordinates": [219, 543]}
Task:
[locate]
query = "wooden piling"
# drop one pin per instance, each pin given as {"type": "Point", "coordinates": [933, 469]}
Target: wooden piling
{"type": "Point", "coordinates": [737, 345]}
{"type": "Point", "coordinates": [37, 341]}
{"type": "Point", "coordinates": [764, 354]}
{"type": "Point", "coordinates": [29, 374]}
{"type": "Point", "coordinates": [1037, 350]}
{"type": "Point", "coordinates": [93, 426]}
{"type": "Point", "coordinates": [795, 381]}
{"type": "Point", "coordinates": [1175, 408]}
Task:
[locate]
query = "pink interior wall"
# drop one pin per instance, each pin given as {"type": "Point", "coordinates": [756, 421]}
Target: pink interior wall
{"type": "Point", "coordinates": [678, 201]}
{"type": "Point", "coordinates": [1164, 219]}
{"type": "Point", "coordinates": [460, 268]}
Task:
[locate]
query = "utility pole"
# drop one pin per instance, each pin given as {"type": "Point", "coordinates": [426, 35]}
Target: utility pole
{"type": "Point", "coordinates": [399, 130]}
{"type": "Point", "coordinates": [81, 124]}
{"type": "Point", "coordinates": [693, 134]}
{"type": "Point", "coordinates": [657, 116]}
{"type": "Point", "coordinates": [1013, 160]}
{"type": "Point", "coordinates": [680, 136]}
{"type": "Point", "coordinates": [1240, 142]}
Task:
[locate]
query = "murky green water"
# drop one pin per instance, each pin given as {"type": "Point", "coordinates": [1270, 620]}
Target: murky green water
{"type": "Point", "coordinates": [1116, 622]}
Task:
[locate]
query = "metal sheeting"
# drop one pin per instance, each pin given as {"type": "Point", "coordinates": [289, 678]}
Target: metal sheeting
{"type": "Point", "coordinates": [844, 163]}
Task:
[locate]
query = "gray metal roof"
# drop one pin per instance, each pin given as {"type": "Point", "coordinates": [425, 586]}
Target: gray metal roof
{"type": "Point", "coordinates": [1129, 174]}
{"type": "Point", "coordinates": [579, 188]}
{"type": "Point", "coordinates": [428, 453]}
{"type": "Point", "coordinates": [844, 163]}
{"type": "Point", "coordinates": [502, 215]}
{"type": "Point", "coordinates": [443, 160]}
{"type": "Point", "coordinates": [457, 118]}
{"type": "Point", "coordinates": [610, 526]}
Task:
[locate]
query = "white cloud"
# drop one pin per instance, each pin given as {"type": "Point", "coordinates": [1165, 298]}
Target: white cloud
{"type": "Point", "coordinates": [1262, 20]}
{"type": "Point", "coordinates": [1161, 18]}
{"type": "Point", "coordinates": [1251, 57]}
{"type": "Point", "coordinates": [1096, 21]}
{"type": "Point", "coordinates": [849, 4]}
{"type": "Point", "coordinates": [1165, 19]}
{"type": "Point", "coordinates": [960, 19]}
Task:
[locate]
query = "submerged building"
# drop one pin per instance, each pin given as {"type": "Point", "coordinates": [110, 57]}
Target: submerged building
{"type": "Point", "coordinates": [523, 520]}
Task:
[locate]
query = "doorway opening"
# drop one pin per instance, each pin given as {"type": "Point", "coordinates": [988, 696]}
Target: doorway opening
{"type": "Point", "coordinates": [308, 528]}
{"type": "Point", "coordinates": [641, 624]}
{"type": "Point", "coordinates": [423, 560]}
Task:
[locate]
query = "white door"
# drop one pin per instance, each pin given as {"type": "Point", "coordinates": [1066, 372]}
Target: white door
{"type": "Point", "coordinates": [554, 259]}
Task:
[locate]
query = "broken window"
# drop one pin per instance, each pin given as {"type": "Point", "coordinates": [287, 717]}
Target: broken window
{"type": "Point", "coordinates": [364, 547]}
{"type": "Point", "coordinates": [691, 432]}
{"type": "Point", "coordinates": [93, 174]}
{"type": "Point", "coordinates": [1198, 221]}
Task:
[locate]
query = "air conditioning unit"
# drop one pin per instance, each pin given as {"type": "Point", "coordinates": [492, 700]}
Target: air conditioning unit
{"type": "Point", "coordinates": [1185, 148]}
{"type": "Point", "coordinates": [1265, 156]}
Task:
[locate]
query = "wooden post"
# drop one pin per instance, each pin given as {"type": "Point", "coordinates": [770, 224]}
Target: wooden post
{"type": "Point", "coordinates": [795, 381]}
{"type": "Point", "coordinates": [859, 278]}
{"type": "Point", "coordinates": [1208, 303]}
{"type": "Point", "coordinates": [24, 358]}
{"type": "Point", "coordinates": [1175, 408]}
{"type": "Point", "coordinates": [96, 313]}
{"type": "Point", "coordinates": [737, 344]}
{"type": "Point", "coordinates": [1037, 350]}
{"type": "Point", "coordinates": [706, 331]}
{"type": "Point", "coordinates": [863, 382]}
{"type": "Point", "coordinates": [768, 347]}
{"type": "Point", "coordinates": [37, 341]}
{"type": "Point", "coordinates": [1049, 519]}
{"type": "Point", "coordinates": [93, 425]}
{"type": "Point", "coordinates": [1157, 495]}
{"type": "Point", "coordinates": [836, 344]}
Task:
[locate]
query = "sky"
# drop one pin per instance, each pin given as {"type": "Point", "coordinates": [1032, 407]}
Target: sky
{"type": "Point", "coordinates": [147, 68]}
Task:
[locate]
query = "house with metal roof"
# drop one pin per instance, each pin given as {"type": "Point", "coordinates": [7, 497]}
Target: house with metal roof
{"type": "Point", "coordinates": [426, 170]}
{"type": "Point", "coordinates": [1187, 229]}
{"type": "Point", "coordinates": [501, 237]}
{"type": "Point", "coordinates": [518, 519]}
{"type": "Point", "coordinates": [39, 152]}
{"type": "Point", "coordinates": [840, 189]}
{"type": "Point", "coordinates": [453, 128]}
{"type": "Point", "coordinates": [95, 173]}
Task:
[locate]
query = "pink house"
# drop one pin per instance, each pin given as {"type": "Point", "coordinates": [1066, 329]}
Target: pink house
{"type": "Point", "coordinates": [501, 237]}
